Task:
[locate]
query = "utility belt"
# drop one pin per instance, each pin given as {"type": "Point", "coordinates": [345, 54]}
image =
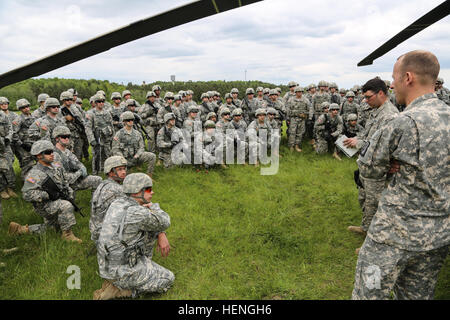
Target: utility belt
{"type": "Point", "coordinates": [130, 255]}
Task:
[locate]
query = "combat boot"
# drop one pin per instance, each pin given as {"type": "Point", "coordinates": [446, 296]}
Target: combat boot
{"type": "Point", "coordinates": [11, 193]}
{"type": "Point", "coordinates": [335, 155]}
{"type": "Point", "coordinates": [291, 149]}
{"type": "Point", "coordinates": [357, 229]}
{"type": "Point", "coordinates": [111, 292]}
{"type": "Point", "coordinates": [97, 293]}
{"type": "Point", "coordinates": [5, 195]}
{"type": "Point", "coordinates": [297, 148]}
{"type": "Point", "coordinates": [69, 236]}
{"type": "Point", "coordinates": [357, 251]}
{"type": "Point", "coordinates": [158, 163]}
{"type": "Point", "coordinates": [223, 166]}
{"type": "Point", "coordinates": [16, 229]}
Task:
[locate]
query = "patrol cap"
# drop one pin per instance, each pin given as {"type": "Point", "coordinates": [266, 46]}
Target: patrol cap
{"type": "Point", "coordinates": [224, 111]}
{"type": "Point", "coordinates": [40, 146]}
{"type": "Point", "coordinates": [168, 95]}
{"type": "Point", "coordinates": [61, 131]}
{"type": "Point", "coordinates": [249, 91]}
{"type": "Point", "coordinates": [237, 112]}
{"type": "Point", "coordinates": [334, 106]}
{"type": "Point", "coordinates": [115, 95]}
{"type": "Point", "coordinates": [135, 182]}
{"type": "Point", "coordinates": [325, 105]}
{"type": "Point", "coordinates": [298, 89]}
{"type": "Point", "coordinates": [352, 117]}
{"type": "Point", "coordinates": [234, 90]}
{"type": "Point", "coordinates": [210, 115]}
{"type": "Point", "coordinates": [22, 103]}
{"type": "Point", "coordinates": [114, 162]}
{"type": "Point", "coordinates": [292, 84]}
{"type": "Point", "coordinates": [156, 87]}
{"type": "Point", "coordinates": [42, 97]}
{"type": "Point", "coordinates": [260, 111]}
{"type": "Point", "coordinates": [272, 92]}
{"type": "Point", "coordinates": [168, 116]}
{"type": "Point", "coordinates": [271, 111]}
{"type": "Point", "coordinates": [209, 124]}
{"type": "Point", "coordinates": [127, 115]}
{"type": "Point", "coordinates": [125, 92]}
{"type": "Point", "coordinates": [193, 109]}
{"type": "Point", "coordinates": [130, 102]}
{"type": "Point", "coordinates": [66, 95]}
{"type": "Point", "coordinates": [350, 94]}
{"type": "Point", "coordinates": [51, 102]}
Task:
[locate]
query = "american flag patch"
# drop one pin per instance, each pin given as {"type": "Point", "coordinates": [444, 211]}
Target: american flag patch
{"type": "Point", "coordinates": [31, 179]}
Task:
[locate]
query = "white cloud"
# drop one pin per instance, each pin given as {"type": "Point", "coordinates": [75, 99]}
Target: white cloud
{"type": "Point", "coordinates": [274, 41]}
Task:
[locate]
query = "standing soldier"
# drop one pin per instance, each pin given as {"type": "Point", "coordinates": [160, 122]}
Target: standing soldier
{"type": "Point", "coordinates": [26, 160]}
{"type": "Point", "coordinates": [249, 105]}
{"type": "Point", "coordinates": [328, 127]}
{"type": "Point", "coordinates": [41, 110]}
{"type": "Point", "coordinates": [107, 191]}
{"type": "Point", "coordinates": [116, 110]}
{"type": "Point", "coordinates": [206, 107]}
{"type": "Point", "coordinates": [189, 101]}
{"type": "Point", "coordinates": [100, 131]}
{"type": "Point", "coordinates": [129, 144]}
{"type": "Point", "coordinates": [334, 93]}
{"type": "Point", "coordinates": [349, 105]}
{"type": "Point", "coordinates": [148, 113]}
{"type": "Point", "coordinates": [320, 97]}
{"type": "Point", "coordinates": [260, 101]}
{"type": "Point", "coordinates": [57, 212]}
{"type": "Point", "coordinates": [74, 121]}
{"type": "Point", "coordinates": [178, 111]}
{"type": "Point", "coordinates": [290, 94]}
{"type": "Point", "coordinates": [75, 171]}
{"type": "Point", "coordinates": [166, 108]}
{"type": "Point", "coordinates": [126, 94]}
{"type": "Point", "coordinates": [300, 109]}
{"type": "Point", "coordinates": [236, 101]}
{"type": "Point", "coordinates": [311, 90]}
{"type": "Point", "coordinates": [159, 101]}
{"type": "Point", "coordinates": [7, 175]}
{"type": "Point", "coordinates": [133, 225]}
{"type": "Point", "coordinates": [277, 105]}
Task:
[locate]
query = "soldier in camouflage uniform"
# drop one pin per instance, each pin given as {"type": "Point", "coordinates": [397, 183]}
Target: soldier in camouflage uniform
{"type": "Point", "coordinates": [298, 111]}
{"type": "Point", "coordinates": [108, 190]}
{"type": "Point", "coordinates": [75, 171]}
{"type": "Point", "coordinates": [166, 108]}
{"type": "Point", "coordinates": [57, 213]}
{"type": "Point", "coordinates": [192, 128]}
{"type": "Point", "coordinates": [133, 225]}
{"type": "Point", "coordinates": [260, 101]}
{"type": "Point", "coordinates": [205, 107]}
{"type": "Point", "coordinates": [290, 94]}
{"type": "Point", "coordinates": [169, 137]}
{"type": "Point", "coordinates": [349, 105]}
{"type": "Point", "coordinates": [74, 121]}
{"type": "Point", "coordinates": [100, 133]}
{"type": "Point", "coordinates": [129, 144]}
{"type": "Point", "coordinates": [351, 128]}
{"type": "Point", "coordinates": [148, 113]}
{"type": "Point", "coordinates": [41, 110]}
{"type": "Point", "coordinates": [25, 120]}
{"type": "Point", "coordinates": [277, 105]}
{"type": "Point", "coordinates": [328, 128]}
{"type": "Point", "coordinates": [159, 101]}
{"type": "Point", "coordinates": [408, 239]}
{"type": "Point", "coordinates": [178, 111]}
{"type": "Point", "coordinates": [116, 110]}
{"type": "Point", "coordinates": [383, 111]}
{"type": "Point", "coordinates": [334, 94]}
{"type": "Point", "coordinates": [259, 137]}
{"type": "Point", "coordinates": [126, 94]}
{"type": "Point", "coordinates": [249, 105]}
{"type": "Point", "coordinates": [13, 118]}
{"type": "Point", "coordinates": [42, 128]}
{"type": "Point", "coordinates": [228, 103]}
{"type": "Point", "coordinates": [235, 96]}
{"type": "Point", "coordinates": [320, 97]}
{"type": "Point", "coordinates": [7, 175]}
{"type": "Point", "coordinates": [240, 132]}
{"type": "Point", "coordinates": [209, 144]}
{"type": "Point", "coordinates": [441, 92]}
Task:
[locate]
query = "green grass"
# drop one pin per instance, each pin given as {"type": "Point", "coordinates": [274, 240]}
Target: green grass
{"type": "Point", "coordinates": [234, 234]}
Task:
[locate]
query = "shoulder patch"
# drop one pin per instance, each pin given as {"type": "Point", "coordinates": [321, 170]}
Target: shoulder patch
{"type": "Point", "coordinates": [364, 148]}
{"type": "Point", "coordinates": [31, 180]}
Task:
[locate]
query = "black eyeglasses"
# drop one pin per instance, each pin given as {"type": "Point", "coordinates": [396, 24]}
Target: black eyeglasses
{"type": "Point", "coordinates": [48, 152]}
{"type": "Point", "coordinates": [369, 97]}
{"type": "Point", "coordinates": [65, 137]}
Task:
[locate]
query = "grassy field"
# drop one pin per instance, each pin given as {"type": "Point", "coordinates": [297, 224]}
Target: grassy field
{"type": "Point", "coordinates": [235, 234]}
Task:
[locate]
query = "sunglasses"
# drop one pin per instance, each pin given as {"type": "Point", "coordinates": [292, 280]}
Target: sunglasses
{"type": "Point", "coordinates": [65, 137]}
{"type": "Point", "coordinates": [100, 101]}
{"type": "Point", "coordinates": [48, 152]}
{"type": "Point", "coordinates": [129, 120]}
{"type": "Point", "coordinates": [148, 190]}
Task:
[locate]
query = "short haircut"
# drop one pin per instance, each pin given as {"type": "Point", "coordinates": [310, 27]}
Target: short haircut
{"type": "Point", "coordinates": [376, 85]}
{"type": "Point", "coordinates": [423, 63]}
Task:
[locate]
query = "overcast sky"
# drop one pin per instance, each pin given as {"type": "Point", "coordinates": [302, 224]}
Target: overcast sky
{"type": "Point", "coordinates": [273, 40]}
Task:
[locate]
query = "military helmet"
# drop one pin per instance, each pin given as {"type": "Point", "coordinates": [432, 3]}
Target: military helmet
{"type": "Point", "coordinates": [356, 88]}
{"type": "Point", "coordinates": [298, 89]}
{"type": "Point", "coordinates": [127, 115]}
{"type": "Point", "coordinates": [322, 83]}
{"type": "Point", "coordinates": [312, 86]}
{"type": "Point", "coordinates": [130, 102]}
{"type": "Point", "coordinates": [168, 95]}
{"type": "Point", "coordinates": [101, 92]}
{"type": "Point", "coordinates": [168, 116]}
{"type": "Point", "coordinates": [209, 124]}
{"type": "Point", "coordinates": [150, 94]}
{"type": "Point", "coordinates": [216, 93]}
{"type": "Point", "coordinates": [228, 96]}
{"type": "Point", "coordinates": [210, 115]}
{"type": "Point", "coordinates": [234, 90]}
{"type": "Point", "coordinates": [176, 97]}
{"type": "Point", "coordinates": [333, 85]}
{"type": "Point", "coordinates": [237, 112]}
{"type": "Point", "coordinates": [342, 90]}
{"type": "Point", "coordinates": [79, 101]}
{"type": "Point", "coordinates": [91, 99]}
{"type": "Point", "coordinates": [224, 110]}
{"type": "Point", "coordinates": [273, 91]}
{"type": "Point", "coordinates": [40, 146]}
{"type": "Point", "coordinates": [61, 131]}
{"type": "Point", "coordinates": [259, 89]}
{"type": "Point", "coordinates": [115, 95]}
{"type": "Point", "coordinates": [352, 117]}
{"type": "Point", "coordinates": [350, 94]}
{"type": "Point", "coordinates": [98, 97]}
{"type": "Point", "coordinates": [210, 94]}
{"type": "Point", "coordinates": [182, 93]}
{"type": "Point", "coordinates": [249, 91]}
{"type": "Point", "coordinates": [387, 83]}
{"type": "Point", "coordinates": [22, 103]}
{"type": "Point", "coordinates": [125, 92]}
{"type": "Point", "coordinates": [266, 91]}
{"type": "Point", "coordinates": [204, 95]}
{"type": "Point", "coordinates": [156, 87]}
{"type": "Point", "coordinates": [114, 162]}
{"type": "Point", "coordinates": [71, 90]}
{"type": "Point", "coordinates": [278, 89]}
{"type": "Point", "coordinates": [260, 111]}
{"type": "Point", "coordinates": [42, 97]}
{"type": "Point", "coordinates": [51, 102]}
{"type": "Point", "coordinates": [325, 105]}
{"type": "Point", "coordinates": [193, 109]}
{"type": "Point", "coordinates": [292, 84]}
{"type": "Point", "coordinates": [66, 95]}
{"type": "Point", "coordinates": [271, 111]}
{"type": "Point", "coordinates": [334, 106]}
{"type": "Point", "coordinates": [190, 92]}
{"type": "Point", "coordinates": [135, 182]}
{"type": "Point", "coordinates": [440, 80]}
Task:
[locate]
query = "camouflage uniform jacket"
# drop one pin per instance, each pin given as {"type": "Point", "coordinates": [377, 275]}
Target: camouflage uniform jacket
{"type": "Point", "coordinates": [69, 162]}
{"type": "Point", "coordinates": [317, 101]}
{"type": "Point", "coordinates": [287, 97]}
{"type": "Point", "coordinates": [128, 233]}
{"type": "Point", "coordinates": [240, 129]}
{"type": "Point", "coordinates": [364, 111]}
{"type": "Point", "coordinates": [249, 107]}
{"type": "Point", "coordinates": [280, 107]}
{"type": "Point", "coordinates": [116, 112]}
{"type": "Point", "coordinates": [348, 108]}
{"type": "Point", "coordinates": [167, 138]}
{"type": "Point", "coordinates": [162, 111]}
{"type": "Point", "coordinates": [336, 125]}
{"type": "Point", "coordinates": [36, 131]}
{"type": "Point", "coordinates": [39, 112]}
{"type": "Point", "coordinates": [23, 124]}
{"type": "Point", "coordinates": [254, 129]}
{"type": "Point", "coordinates": [300, 108]}
{"type": "Point", "coordinates": [99, 122]}
{"type": "Point", "coordinates": [76, 132]}
{"type": "Point", "coordinates": [128, 144]}
{"type": "Point", "coordinates": [148, 114]}
{"type": "Point", "coordinates": [414, 209]}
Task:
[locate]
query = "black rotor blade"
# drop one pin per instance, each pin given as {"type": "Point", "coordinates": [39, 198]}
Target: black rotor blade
{"type": "Point", "coordinates": [425, 21]}
{"type": "Point", "coordinates": [136, 30]}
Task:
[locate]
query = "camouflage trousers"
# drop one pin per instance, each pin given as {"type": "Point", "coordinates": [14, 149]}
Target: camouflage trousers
{"type": "Point", "coordinates": [372, 194]}
{"type": "Point", "coordinates": [103, 154]}
{"type": "Point", "coordinates": [168, 159]}
{"type": "Point", "coordinates": [382, 269]}
{"type": "Point", "coordinates": [297, 129]}
{"type": "Point", "coordinates": [90, 182]}
{"type": "Point", "coordinates": [151, 131]}
{"type": "Point", "coordinates": [361, 197]}
{"type": "Point", "coordinates": [7, 175]}
{"type": "Point", "coordinates": [152, 278]}
{"type": "Point", "coordinates": [56, 214]}
{"type": "Point", "coordinates": [146, 157]}
{"type": "Point", "coordinates": [323, 145]}
{"type": "Point", "coordinates": [26, 160]}
{"type": "Point", "coordinates": [77, 146]}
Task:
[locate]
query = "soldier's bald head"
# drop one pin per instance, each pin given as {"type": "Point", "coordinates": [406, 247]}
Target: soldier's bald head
{"type": "Point", "coordinates": [422, 63]}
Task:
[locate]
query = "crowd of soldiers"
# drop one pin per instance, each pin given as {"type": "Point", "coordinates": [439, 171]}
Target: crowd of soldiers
{"type": "Point", "coordinates": [51, 143]}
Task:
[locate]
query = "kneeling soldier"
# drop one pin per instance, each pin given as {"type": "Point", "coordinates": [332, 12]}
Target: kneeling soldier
{"type": "Point", "coordinates": [129, 144]}
{"type": "Point", "coordinates": [57, 212]}
{"type": "Point", "coordinates": [131, 228]}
